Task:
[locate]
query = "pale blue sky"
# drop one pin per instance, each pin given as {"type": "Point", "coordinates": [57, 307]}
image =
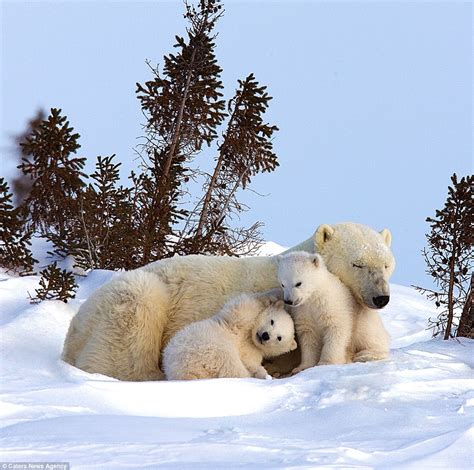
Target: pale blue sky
{"type": "Point", "coordinates": [373, 99]}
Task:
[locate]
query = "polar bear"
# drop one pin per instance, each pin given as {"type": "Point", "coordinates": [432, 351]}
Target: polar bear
{"type": "Point", "coordinates": [232, 343]}
{"type": "Point", "coordinates": [326, 314]}
{"type": "Point", "coordinates": [122, 328]}
{"type": "Point", "coordinates": [361, 258]}
{"type": "Point", "coordinates": [322, 307]}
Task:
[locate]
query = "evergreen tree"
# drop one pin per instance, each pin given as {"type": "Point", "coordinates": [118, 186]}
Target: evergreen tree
{"type": "Point", "coordinates": [102, 234]}
{"type": "Point", "coordinates": [15, 254]}
{"type": "Point", "coordinates": [183, 107]}
{"type": "Point", "coordinates": [246, 150]}
{"type": "Point", "coordinates": [55, 284]}
{"type": "Point", "coordinates": [56, 175]}
{"type": "Point", "coordinates": [104, 225]}
{"type": "Point", "coordinates": [449, 256]}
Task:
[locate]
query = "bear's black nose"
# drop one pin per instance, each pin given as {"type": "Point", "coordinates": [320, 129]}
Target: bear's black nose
{"type": "Point", "coordinates": [288, 302]}
{"type": "Point", "coordinates": [381, 300]}
{"type": "Point", "coordinates": [265, 336]}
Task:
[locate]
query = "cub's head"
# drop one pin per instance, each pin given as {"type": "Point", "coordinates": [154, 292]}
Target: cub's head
{"type": "Point", "coordinates": [274, 331]}
{"type": "Point", "coordinates": [360, 257]}
{"type": "Point", "coordinates": [299, 274]}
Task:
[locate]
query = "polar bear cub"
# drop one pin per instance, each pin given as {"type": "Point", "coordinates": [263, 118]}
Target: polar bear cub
{"type": "Point", "coordinates": [233, 342]}
{"type": "Point", "coordinates": [323, 309]}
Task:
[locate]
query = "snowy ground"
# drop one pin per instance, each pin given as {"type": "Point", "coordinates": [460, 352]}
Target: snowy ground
{"type": "Point", "coordinates": [414, 410]}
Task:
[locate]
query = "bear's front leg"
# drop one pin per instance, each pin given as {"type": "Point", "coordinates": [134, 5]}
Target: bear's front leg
{"type": "Point", "coordinates": [310, 345]}
{"type": "Point", "coordinates": [367, 356]}
{"type": "Point", "coordinates": [371, 340]}
{"type": "Point", "coordinates": [253, 363]}
{"type": "Point", "coordinates": [257, 370]}
{"type": "Point", "coordinates": [261, 373]}
{"type": "Point", "coordinates": [335, 344]}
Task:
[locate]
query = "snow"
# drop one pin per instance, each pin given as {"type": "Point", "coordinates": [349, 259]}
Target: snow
{"type": "Point", "coordinates": [414, 410]}
{"type": "Point", "coordinates": [270, 249]}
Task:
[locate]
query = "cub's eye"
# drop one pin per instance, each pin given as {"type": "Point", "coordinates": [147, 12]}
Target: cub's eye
{"type": "Point", "coordinates": [357, 266]}
{"type": "Point", "coordinates": [298, 284]}
{"type": "Point", "coordinates": [272, 322]}
{"type": "Point", "coordinates": [386, 266]}
{"type": "Point", "coordinates": [279, 338]}
{"type": "Point", "coordinates": [282, 285]}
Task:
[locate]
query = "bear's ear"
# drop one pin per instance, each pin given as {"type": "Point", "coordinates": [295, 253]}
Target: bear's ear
{"type": "Point", "coordinates": [387, 236]}
{"type": "Point", "coordinates": [279, 304]}
{"type": "Point", "coordinates": [323, 234]}
{"type": "Point", "coordinates": [265, 301]}
{"type": "Point", "coordinates": [294, 345]}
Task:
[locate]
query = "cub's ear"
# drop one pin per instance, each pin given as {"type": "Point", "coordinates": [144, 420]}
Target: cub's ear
{"type": "Point", "coordinates": [387, 236]}
{"type": "Point", "coordinates": [279, 304]}
{"type": "Point", "coordinates": [294, 345]}
{"type": "Point", "coordinates": [323, 234]}
{"type": "Point", "coordinates": [266, 301]}
{"type": "Point", "coordinates": [316, 260]}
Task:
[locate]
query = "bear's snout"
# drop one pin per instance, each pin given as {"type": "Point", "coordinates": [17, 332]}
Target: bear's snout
{"type": "Point", "coordinates": [263, 337]}
{"type": "Point", "coordinates": [381, 300]}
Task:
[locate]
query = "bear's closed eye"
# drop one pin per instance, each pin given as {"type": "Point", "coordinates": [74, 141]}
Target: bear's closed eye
{"type": "Point", "coordinates": [357, 266]}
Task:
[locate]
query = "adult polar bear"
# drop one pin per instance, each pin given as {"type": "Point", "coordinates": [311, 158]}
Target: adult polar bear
{"type": "Point", "coordinates": [123, 326]}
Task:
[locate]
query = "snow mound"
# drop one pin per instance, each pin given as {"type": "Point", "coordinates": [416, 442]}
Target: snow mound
{"type": "Point", "coordinates": [414, 410]}
{"type": "Point", "coordinates": [270, 249]}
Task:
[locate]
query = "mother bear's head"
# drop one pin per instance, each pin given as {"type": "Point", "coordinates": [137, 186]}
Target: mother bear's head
{"type": "Point", "coordinates": [360, 257]}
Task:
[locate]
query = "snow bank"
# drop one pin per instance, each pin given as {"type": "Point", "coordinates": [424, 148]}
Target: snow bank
{"type": "Point", "coordinates": [414, 410]}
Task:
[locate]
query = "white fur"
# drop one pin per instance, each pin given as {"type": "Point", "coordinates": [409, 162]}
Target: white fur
{"type": "Point", "coordinates": [122, 328]}
{"type": "Point", "coordinates": [322, 307]}
{"type": "Point", "coordinates": [359, 256]}
{"type": "Point", "coordinates": [332, 328]}
{"type": "Point", "coordinates": [230, 344]}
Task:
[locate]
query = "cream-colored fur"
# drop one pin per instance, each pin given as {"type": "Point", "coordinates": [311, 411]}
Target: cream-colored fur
{"type": "Point", "coordinates": [361, 258]}
{"type": "Point", "coordinates": [117, 331]}
{"type": "Point", "coordinates": [322, 307]}
{"type": "Point", "coordinates": [231, 343]}
{"type": "Point", "coordinates": [122, 328]}
{"type": "Point", "coordinates": [325, 313]}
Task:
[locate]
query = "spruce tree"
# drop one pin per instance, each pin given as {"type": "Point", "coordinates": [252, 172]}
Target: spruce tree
{"type": "Point", "coordinates": [55, 284]}
{"type": "Point", "coordinates": [102, 234]}
{"type": "Point", "coordinates": [15, 254]}
{"type": "Point", "coordinates": [449, 255]}
{"type": "Point", "coordinates": [103, 224]}
{"type": "Point", "coordinates": [56, 175]}
{"type": "Point", "coordinates": [183, 107]}
{"type": "Point", "coordinates": [245, 151]}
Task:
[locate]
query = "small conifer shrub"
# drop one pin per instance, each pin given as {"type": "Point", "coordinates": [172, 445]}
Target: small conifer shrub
{"type": "Point", "coordinates": [55, 284]}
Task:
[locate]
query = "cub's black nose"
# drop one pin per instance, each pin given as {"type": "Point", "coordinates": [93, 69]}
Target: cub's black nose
{"type": "Point", "coordinates": [288, 302]}
{"type": "Point", "coordinates": [381, 300]}
{"type": "Point", "coordinates": [265, 336]}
